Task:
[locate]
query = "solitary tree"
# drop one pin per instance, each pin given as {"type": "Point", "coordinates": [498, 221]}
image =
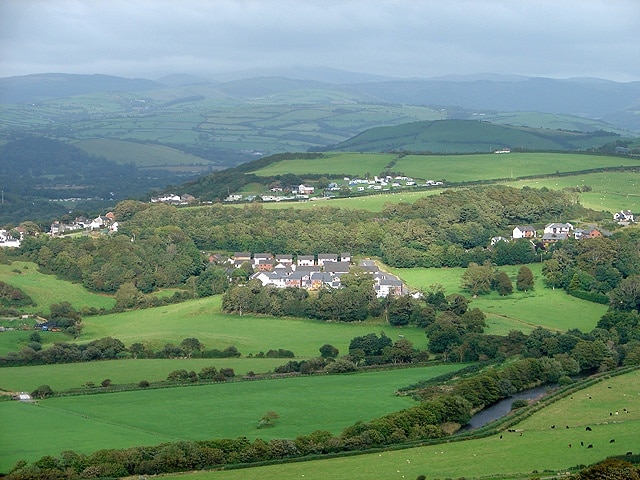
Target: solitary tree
{"type": "Point", "coordinates": [524, 280]}
{"type": "Point", "coordinates": [328, 351]}
{"type": "Point", "coordinates": [503, 284]}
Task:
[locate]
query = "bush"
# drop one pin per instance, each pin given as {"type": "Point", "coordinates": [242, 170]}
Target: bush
{"type": "Point", "coordinates": [43, 391]}
{"type": "Point", "coordinates": [519, 404]}
{"type": "Point", "coordinates": [144, 384]}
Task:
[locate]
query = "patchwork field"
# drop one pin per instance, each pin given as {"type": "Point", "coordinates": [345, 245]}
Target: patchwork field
{"type": "Point", "coordinates": [226, 410]}
{"type": "Point", "coordinates": [539, 449]}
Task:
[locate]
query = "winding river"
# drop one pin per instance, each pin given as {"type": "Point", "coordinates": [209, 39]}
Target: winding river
{"type": "Point", "coordinates": [503, 407]}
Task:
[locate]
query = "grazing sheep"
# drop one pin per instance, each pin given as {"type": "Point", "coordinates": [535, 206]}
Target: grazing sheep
{"type": "Point", "coordinates": [613, 440]}
{"type": "Point", "coordinates": [589, 446]}
{"type": "Point", "coordinates": [582, 444]}
{"type": "Point", "coordinates": [588, 429]}
{"type": "Point", "coordinates": [553, 426]}
{"type": "Point", "coordinates": [629, 453]}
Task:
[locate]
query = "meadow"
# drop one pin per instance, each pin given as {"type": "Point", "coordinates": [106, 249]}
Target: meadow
{"type": "Point", "coordinates": [452, 168]}
{"type": "Point", "coordinates": [540, 449]}
{"type": "Point", "coordinates": [545, 307]}
{"type": "Point", "coordinates": [66, 376]}
{"type": "Point", "coordinates": [230, 410]}
{"type": "Point", "coordinates": [611, 191]}
{"type": "Point", "coordinates": [47, 289]}
{"type": "Point", "coordinates": [250, 334]}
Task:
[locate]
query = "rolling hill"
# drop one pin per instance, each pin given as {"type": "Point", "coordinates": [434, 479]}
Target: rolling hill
{"type": "Point", "coordinates": [468, 136]}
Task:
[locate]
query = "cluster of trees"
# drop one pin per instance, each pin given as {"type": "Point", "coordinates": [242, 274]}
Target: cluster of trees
{"type": "Point", "coordinates": [11, 297]}
{"type": "Point", "coordinates": [356, 300]}
{"type": "Point", "coordinates": [163, 257]}
{"type": "Point", "coordinates": [604, 269]}
{"type": "Point", "coordinates": [481, 279]}
{"type": "Point", "coordinates": [161, 246]}
{"type": "Point", "coordinates": [109, 348]}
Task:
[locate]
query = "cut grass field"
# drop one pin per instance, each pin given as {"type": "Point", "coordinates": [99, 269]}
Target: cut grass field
{"type": "Point", "coordinates": [47, 289]}
{"type": "Point", "coordinates": [305, 404]}
{"type": "Point", "coordinates": [539, 448]}
{"type": "Point", "coordinates": [551, 309]}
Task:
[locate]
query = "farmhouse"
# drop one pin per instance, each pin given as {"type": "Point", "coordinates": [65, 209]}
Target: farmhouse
{"type": "Point", "coordinates": [623, 217]}
{"type": "Point", "coordinates": [8, 241]}
{"type": "Point", "coordinates": [524, 231]}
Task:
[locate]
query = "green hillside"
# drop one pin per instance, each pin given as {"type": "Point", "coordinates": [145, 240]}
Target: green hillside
{"type": "Point", "coordinates": [468, 136]}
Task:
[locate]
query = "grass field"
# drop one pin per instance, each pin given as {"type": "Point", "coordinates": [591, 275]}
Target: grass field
{"type": "Point", "coordinates": [452, 168]}
{"type": "Point", "coordinates": [552, 309]}
{"type": "Point", "coordinates": [305, 404]}
{"type": "Point", "coordinates": [47, 289]}
{"type": "Point", "coordinates": [250, 334]}
{"type": "Point", "coordinates": [612, 191]}
{"type": "Point", "coordinates": [66, 376]}
{"type": "Point", "coordinates": [141, 155]}
{"type": "Point", "coordinates": [540, 448]}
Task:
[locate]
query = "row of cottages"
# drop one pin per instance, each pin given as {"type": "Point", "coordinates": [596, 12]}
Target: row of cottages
{"type": "Point", "coordinates": [554, 232]}
{"type": "Point", "coordinates": [326, 273]}
{"type": "Point", "coordinates": [173, 199]}
{"type": "Point", "coordinates": [82, 223]}
{"type": "Point", "coordinates": [267, 261]}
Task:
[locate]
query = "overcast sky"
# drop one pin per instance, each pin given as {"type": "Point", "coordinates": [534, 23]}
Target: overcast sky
{"type": "Point", "coordinates": [403, 38]}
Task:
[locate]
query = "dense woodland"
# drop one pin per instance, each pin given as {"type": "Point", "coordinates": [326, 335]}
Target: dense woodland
{"type": "Point", "coordinates": [160, 245]}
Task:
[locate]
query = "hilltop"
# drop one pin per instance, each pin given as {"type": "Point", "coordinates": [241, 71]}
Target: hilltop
{"type": "Point", "coordinates": [468, 136]}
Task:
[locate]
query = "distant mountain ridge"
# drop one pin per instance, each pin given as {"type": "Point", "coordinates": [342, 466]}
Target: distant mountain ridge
{"type": "Point", "coordinates": [30, 88]}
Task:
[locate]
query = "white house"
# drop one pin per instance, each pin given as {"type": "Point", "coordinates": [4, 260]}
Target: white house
{"type": "Point", "coordinates": [524, 231]}
{"type": "Point", "coordinates": [556, 228]}
{"type": "Point", "coordinates": [623, 216]}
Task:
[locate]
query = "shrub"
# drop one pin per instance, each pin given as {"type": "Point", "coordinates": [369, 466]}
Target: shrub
{"type": "Point", "coordinates": [519, 404]}
{"type": "Point", "coordinates": [143, 384]}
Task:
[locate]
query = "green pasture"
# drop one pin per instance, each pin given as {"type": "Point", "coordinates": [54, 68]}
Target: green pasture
{"type": "Point", "coordinates": [352, 164]}
{"type": "Point", "coordinates": [141, 155]}
{"type": "Point", "coordinates": [544, 307]}
{"type": "Point", "coordinates": [452, 168]}
{"type": "Point", "coordinates": [65, 376]}
{"type": "Point", "coordinates": [47, 289]}
{"type": "Point", "coordinates": [611, 191]}
{"type": "Point", "coordinates": [464, 168]}
{"type": "Point", "coordinates": [539, 448]}
{"type": "Point", "coordinates": [305, 404]}
{"type": "Point", "coordinates": [202, 319]}
{"type": "Point", "coordinates": [373, 202]}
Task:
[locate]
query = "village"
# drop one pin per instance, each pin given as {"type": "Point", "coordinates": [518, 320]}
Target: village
{"type": "Point", "coordinates": [313, 273]}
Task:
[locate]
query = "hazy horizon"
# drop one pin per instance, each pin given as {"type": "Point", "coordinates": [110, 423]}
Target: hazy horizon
{"type": "Point", "coordinates": [390, 38]}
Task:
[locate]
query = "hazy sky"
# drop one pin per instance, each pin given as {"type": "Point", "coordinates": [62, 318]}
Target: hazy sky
{"type": "Point", "coordinates": [404, 38]}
